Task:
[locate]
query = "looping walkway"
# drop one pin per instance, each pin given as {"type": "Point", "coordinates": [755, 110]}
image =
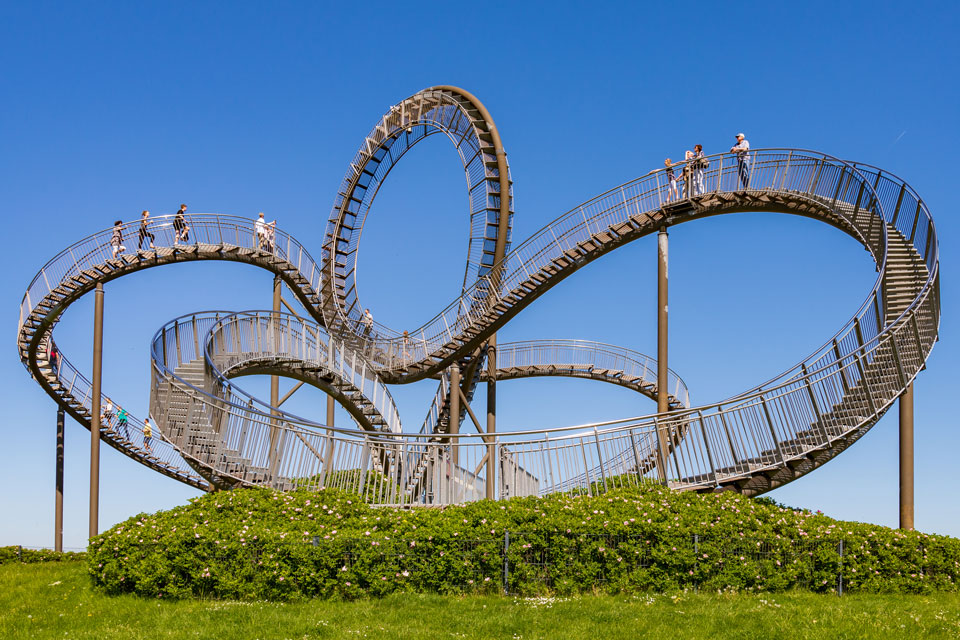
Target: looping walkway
{"type": "Point", "coordinates": [213, 434]}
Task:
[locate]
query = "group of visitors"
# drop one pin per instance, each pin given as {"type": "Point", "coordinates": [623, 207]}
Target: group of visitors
{"type": "Point", "coordinates": [695, 163]}
{"type": "Point", "coordinates": [123, 422]}
{"type": "Point", "coordinates": [144, 233]}
{"type": "Point", "coordinates": [109, 412]}
{"type": "Point", "coordinates": [266, 232]}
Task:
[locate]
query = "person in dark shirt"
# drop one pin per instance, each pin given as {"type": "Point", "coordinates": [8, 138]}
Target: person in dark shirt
{"type": "Point", "coordinates": [672, 191]}
{"type": "Point", "coordinates": [116, 240]}
{"type": "Point", "coordinates": [180, 225]}
{"type": "Point", "coordinates": [144, 231]}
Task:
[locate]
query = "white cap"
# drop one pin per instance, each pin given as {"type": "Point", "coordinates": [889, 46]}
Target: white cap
{"type": "Point", "coordinates": [740, 135]}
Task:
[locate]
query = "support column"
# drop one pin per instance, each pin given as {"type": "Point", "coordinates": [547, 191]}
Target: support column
{"type": "Point", "coordinates": [58, 505]}
{"type": "Point", "coordinates": [906, 459]}
{"type": "Point", "coordinates": [491, 416]}
{"type": "Point", "coordinates": [95, 411]}
{"type": "Point", "coordinates": [663, 404]}
{"type": "Point", "coordinates": [328, 463]}
{"type": "Point", "coordinates": [275, 380]}
{"type": "Point", "coordinates": [454, 413]}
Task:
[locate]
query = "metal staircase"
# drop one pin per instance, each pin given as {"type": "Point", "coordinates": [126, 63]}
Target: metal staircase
{"type": "Point", "coordinates": [212, 434]}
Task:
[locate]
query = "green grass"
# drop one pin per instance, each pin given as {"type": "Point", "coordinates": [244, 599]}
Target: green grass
{"type": "Point", "coordinates": [57, 601]}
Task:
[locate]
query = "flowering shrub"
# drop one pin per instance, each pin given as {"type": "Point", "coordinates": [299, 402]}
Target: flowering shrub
{"type": "Point", "coordinates": [260, 544]}
{"type": "Point", "coordinates": [30, 556]}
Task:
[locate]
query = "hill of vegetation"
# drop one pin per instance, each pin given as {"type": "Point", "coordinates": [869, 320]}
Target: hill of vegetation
{"type": "Point", "coordinates": [261, 544]}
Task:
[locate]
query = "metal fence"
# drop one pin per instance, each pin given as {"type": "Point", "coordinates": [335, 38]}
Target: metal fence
{"type": "Point", "coordinates": [542, 563]}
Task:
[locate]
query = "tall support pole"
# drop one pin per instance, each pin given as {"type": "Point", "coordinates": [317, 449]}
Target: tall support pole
{"type": "Point", "coordinates": [906, 459]}
{"type": "Point", "coordinates": [328, 463]}
{"type": "Point", "coordinates": [58, 507]}
{"type": "Point", "coordinates": [95, 411]}
{"type": "Point", "coordinates": [275, 380]}
{"type": "Point", "coordinates": [454, 413]}
{"type": "Point", "coordinates": [663, 404]}
{"type": "Point", "coordinates": [491, 415]}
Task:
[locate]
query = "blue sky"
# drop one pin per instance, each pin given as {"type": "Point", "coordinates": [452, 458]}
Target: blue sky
{"type": "Point", "coordinates": [237, 108]}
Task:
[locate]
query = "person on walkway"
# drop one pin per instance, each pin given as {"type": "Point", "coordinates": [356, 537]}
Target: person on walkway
{"type": "Point", "coordinates": [700, 163]}
{"type": "Point", "coordinates": [53, 356]}
{"type": "Point", "coordinates": [180, 225]}
{"type": "Point", "coordinates": [116, 239]}
{"type": "Point", "coordinates": [687, 173]}
{"type": "Point", "coordinates": [406, 344]}
{"type": "Point", "coordinates": [367, 323]}
{"type": "Point", "coordinates": [144, 230]}
{"type": "Point", "coordinates": [270, 237]}
{"type": "Point", "coordinates": [147, 433]}
{"type": "Point", "coordinates": [742, 149]}
{"type": "Point", "coordinates": [122, 418]}
{"type": "Point", "coordinates": [260, 228]}
{"type": "Point", "coordinates": [672, 192]}
{"type": "Point", "coordinates": [107, 416]}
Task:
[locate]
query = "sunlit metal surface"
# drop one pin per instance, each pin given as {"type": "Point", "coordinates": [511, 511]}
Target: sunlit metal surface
{"type": "Point", "coordinates": [213, 434]}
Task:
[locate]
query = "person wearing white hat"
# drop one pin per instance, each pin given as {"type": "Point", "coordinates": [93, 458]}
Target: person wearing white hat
{"type": "Point", "coordinates": [742, 149]}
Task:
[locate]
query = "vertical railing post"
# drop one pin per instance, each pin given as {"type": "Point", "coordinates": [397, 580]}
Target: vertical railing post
{"type": "Point", "coordinates": [706, 443]}
{"type": "Point", "coordinates": [861, 354]}
{"type": "Point", "coordinates": [841, 367]}
{"type": "Point", "coordinates": [586, 466]}
{"type": "Point", "coordinates": [662, 452]}
{"type": "Point", "coordinates": [726, 430]}
{"type": "Point", "coordinates": [506, 562]}
{"type": "Point", "coordinates": [840, 570]}
{"type": "Point", "coordinates": [821, 427]}
{"type": "Point", "coordinates": [773, 431]}
{"type": "Point", "coordinates": [636, 456]}
{"type": "Point", "coordinates": [603, 473]}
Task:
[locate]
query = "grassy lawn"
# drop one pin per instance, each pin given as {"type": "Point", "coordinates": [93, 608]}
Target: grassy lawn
{"type": "Point", "coordinates": [56, 601]}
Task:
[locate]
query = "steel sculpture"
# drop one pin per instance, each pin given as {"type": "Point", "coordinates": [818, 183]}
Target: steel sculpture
{"type": "Point", "coordinates": [211, 434]}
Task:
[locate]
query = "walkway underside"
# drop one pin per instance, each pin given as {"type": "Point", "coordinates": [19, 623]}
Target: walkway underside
{"type": "Point", "coordinates": [212, 434]}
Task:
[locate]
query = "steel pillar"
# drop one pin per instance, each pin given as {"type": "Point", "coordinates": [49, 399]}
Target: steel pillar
{"type": "Point", "coordinates": [328, 463]}
{"type": "Point", "coordinates": [58, 504]}
{"type": "Point", "coordinates": [275, 380]}
{"type": "Point", "coordinates": [906, 459]}
{"type": "Point", "coordinates": [663, 404]}
{"type": "Point", "coordinates": [491, 415]}
{"type": "Point", "coordinates": [454, 413]}
{"type": "Point", "coordinates": [95, 411]}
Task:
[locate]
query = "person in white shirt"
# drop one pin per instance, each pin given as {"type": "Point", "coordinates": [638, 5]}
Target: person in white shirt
{"type": "Point", "coordinates": [699, 164]}
{"type": "Point", "coordinates": [260, 227]}
{"type": "Point", "coordinates": [742, 149]}
{"type": "Point", "coordinates": [107, 416]}
{"type": "Point", "coordinates": [367, 323]}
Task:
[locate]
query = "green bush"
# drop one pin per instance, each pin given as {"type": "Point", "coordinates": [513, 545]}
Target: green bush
{"type": "Point", "coordinates": [260, 544]}
{"type": "Point", "coordinates": [30, 556]}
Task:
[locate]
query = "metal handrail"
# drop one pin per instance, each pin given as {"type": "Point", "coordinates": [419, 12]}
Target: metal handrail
{"type": "Point", "coordinates": [578, 352]}
{"type": "Point", "coordinates": [828, 399]}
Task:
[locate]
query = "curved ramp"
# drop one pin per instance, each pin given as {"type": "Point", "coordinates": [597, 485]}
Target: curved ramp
{"type": "Point", "coordinates": [752, 442]}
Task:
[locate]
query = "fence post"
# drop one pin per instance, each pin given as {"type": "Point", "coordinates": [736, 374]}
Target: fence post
{"type": "Point", "coordinates": [19, 553]}
{"type": "Point", "coordinates": [840, 572]}
{"type": "Point", "coordinates": [506, 562]}
{"type": "Point", "coordinates": [696, 562]}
